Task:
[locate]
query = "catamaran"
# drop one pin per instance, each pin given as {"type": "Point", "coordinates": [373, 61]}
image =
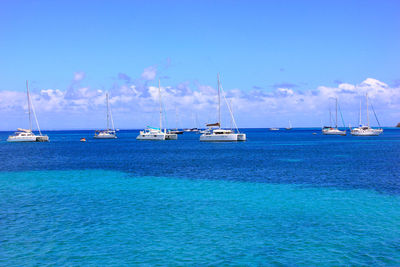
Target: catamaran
{"type": "Point", "coordinates": [366, 130]}
{"type": "Point", "coordinates": [108, 133]}
{"type": "Point", "coordinates": [26, 135]}
{"type": "Point", "coordinates": [219, 134]}
{"type": "Point", "coordinates": [329, 130]}
{"type": "Point", "coordinates": [151, 133]}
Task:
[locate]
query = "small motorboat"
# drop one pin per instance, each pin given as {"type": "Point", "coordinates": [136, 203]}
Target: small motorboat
{"type": "Point", "coordinates": [83, 140]}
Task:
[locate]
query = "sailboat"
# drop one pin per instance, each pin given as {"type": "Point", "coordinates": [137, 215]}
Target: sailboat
{"type": "Point", "coordinates": [290, 126]}
{"type": "Point", "coordinates": [176, 130]}
{"type": "Point", "coordinates": [108, 133]}
{"type": "Point", "coordinates": [333, 130]}
{"type": "Point", "coordinates": [366, 130]}
{"type": "Point", "coordinates": [195, 129]}
{"type": "Point", "coordinates": [151, 133]}
{"type": "Point", "coordinates": [219, 134]}
{"type": "Point", "coordinates": [26, 135]}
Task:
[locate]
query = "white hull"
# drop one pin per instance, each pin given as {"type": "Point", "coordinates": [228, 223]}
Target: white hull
{"type": "Point", "coordinates": [105, 136]}
{"type": "Point", "coordinates": [333, 131]}
{"type": "Point", "coordinates": [160, 136]}
{"type": "Point", "coordinates": [22, 139]}
{"type": "Point", "coordinates": [370, 132]}
{"type": "Point", "coordinates": [233, 137]}
{"type": "Point", "coordinates": [157, 137]}
{"type": "Point", "coordinates": [39, 138]}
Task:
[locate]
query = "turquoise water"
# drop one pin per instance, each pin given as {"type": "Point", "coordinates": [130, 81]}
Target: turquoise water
{"type": "Point", "coordinates": [281, 198]}
{"type": "Point", "coordinates": [97, 217]}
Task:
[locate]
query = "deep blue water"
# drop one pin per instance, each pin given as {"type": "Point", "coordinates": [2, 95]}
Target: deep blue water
{"type": "Point", "coordinates": [287, 197]}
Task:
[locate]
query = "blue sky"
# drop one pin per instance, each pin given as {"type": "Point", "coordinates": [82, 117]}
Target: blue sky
{"type": "Point", "coordinates": [255, 45]}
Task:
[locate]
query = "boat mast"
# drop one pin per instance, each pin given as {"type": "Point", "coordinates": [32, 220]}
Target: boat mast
{"type": "Point", "coordinates": [159, 97]}
{"type": "Point", "coordinates": [366, 96]}
{"type": "Point", "coordinates": [108, 113]}
{"type": "Point", "coordinates": [359, 121]}
{"type": "Point", "coordinates": [29, 105]}
{"type": "Point", "coordinates": [330, 115]}
{"type": "Point", "coordinates": [176, 118]}
{"type": "Point", "coordinates": [219, 104]}
{"type": "Point", "coordinates": [336, 113]}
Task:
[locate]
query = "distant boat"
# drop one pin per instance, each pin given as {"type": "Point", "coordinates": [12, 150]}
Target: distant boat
{"type": "Point", "coordinates": [195, 129]}
{"type": "Point", "coordinates": [219, 134]}
{"type": "Point", "coordinates": [274, 129]}
{"type": "Point", "coordinates": [108, 133]}
{"type": "Point", "coordinates": [83, 140]}
{"type": "Point", "coordinates": [204, 131]}
{"type": "Point", "coordinates": [290, 126]}
{"type": "Point", "coordinates": [191, 130]}
{"type": "Point", "coordinates": [175, 131]}
{"type": "Point", "coordinates": [366, 130]}
{"type": "Point", "coordinates": [329, 130]}
{"type": "Point", "coordinates": [26, 135]}
{"type": "Point", "coordinates": [151, 133]}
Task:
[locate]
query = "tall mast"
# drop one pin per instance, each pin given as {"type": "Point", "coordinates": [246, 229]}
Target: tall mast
{"type": "Point", "coordinates": [108, 113]}
{"type": "Point", "coordinates": [366, 96]}
{"type": "Point", "coordinates": [159, 97]}
{"type": "Point", "coordinates": [359, 121]}
{"type": "Point", "coordinates": [29, 105]}
{"type": "Point", "coordinates": [176, 118]}
{"type": "Point", "coordinates": [330, 115]}
{"type": "Point", "coordinates": [336, 113]}
{"type": "Point", "coordinates": [219, 104]}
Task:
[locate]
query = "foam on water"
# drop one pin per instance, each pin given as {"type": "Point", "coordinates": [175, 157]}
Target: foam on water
{"type": "Point", "coordinates": [102, 217]}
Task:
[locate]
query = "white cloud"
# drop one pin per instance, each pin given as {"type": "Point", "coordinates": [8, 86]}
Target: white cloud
{"type": "Point", "coordinates": [137, 107]}
{"type": "Point", "coordinates": [149, 73]}
{"type": "Point", "coordinates": [79, 76]}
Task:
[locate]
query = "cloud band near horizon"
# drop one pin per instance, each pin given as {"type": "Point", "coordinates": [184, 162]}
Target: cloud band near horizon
{"type": "Point", "coordinates": [135, 104]}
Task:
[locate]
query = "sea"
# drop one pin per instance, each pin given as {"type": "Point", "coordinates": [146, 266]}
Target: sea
{"type": "Point", "coordinates": [282, 198]}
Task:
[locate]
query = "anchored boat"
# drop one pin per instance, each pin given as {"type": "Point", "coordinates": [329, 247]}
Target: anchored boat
{"type": "Point", "coordinates": [108, 133]}
{"type": "Point", "coordinates": [151, 133]}
{"type": "Point", "coordinates": [366, 130]}
{"type": "Point", "coordinates": [219, 134]}
{"type": "Point", "coordinates": [26, 135]}
{"type": "Point", "coordinates": [333, 130]}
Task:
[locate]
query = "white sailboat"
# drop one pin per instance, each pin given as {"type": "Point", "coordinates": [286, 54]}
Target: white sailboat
{"type": "Point", "coordinates": [333, 130]}
{"type": "Point", "coordinates": [26, 135]}
{"type": "Point", "coordinates": [290, 126]}
{"type": "Point", "coordinates": [151, 133]}
{"type": "Point", "coordinates": [108, 133]}
{"type": "Point", "coordinates": [219, 134]}
{"type": "Point", "coordinates": [366, 130]}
